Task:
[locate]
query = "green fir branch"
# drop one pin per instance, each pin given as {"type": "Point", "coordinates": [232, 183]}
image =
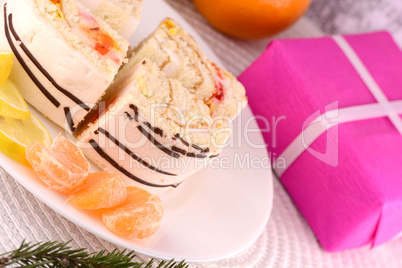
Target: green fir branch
{"type": "Point", "coordinates": [56, 254]}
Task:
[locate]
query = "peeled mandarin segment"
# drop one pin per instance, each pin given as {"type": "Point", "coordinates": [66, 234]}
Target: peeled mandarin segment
{"type": "Point", "coordinates": [62, 168]}
{"type": "Point", "coordinates": [16, 134]}
{"type": "Point", "coordinates": [138, 218]}
{"type": "Point", "coordinates": [6, 65]}
{"type": "Point", "coordinates": [100, 190]}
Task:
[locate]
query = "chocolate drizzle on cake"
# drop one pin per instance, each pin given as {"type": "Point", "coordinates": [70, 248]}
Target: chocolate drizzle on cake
{"type": "Point", "coordinates": [181, 139]}
{"type": "Point", "coordinates": [200, 149]}
{"type": "Point", "coordinates": [180, 151]}
{"type": "Point", "coordinates": [156, 130]}
{"type": "Point", "coordinates": [38, 65]}
{"type": "Point", "coordinates": [175, 151]}
{"type": "Point", "coordinates": [129, 116]}
{"type": "Point", "coordinates": [123, 170]}
{"type": "Point", "coordinates": [69, 119]}
{"type": "Point", "coordinates": [135, 108]}
{"type": "Point", "coordinates": [203, 152]}
{"type": "Point", "coordinates": [22, 62]}
{"type": "Point", "coordinates": [196, 155]}
{"type": "Point", "coordinates": [130, 153]}
{"type": "Point", "coordinates": [151, 138]}
{"type": "Point", "coordinates": [157, 144]}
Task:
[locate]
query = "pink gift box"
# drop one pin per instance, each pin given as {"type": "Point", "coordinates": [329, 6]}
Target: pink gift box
{"type": "Point", "coordinates": [348, 182]}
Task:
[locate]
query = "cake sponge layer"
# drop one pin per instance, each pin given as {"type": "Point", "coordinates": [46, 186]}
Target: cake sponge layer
{"type": "Point", "coordinates": [63, 64]}
{"type": "Point", "coordinates": [178, 55]}
{"type": "Point", "coordinates": [161, 101]}
{"type": "Point", "coordinates": [85, 32]}
{"type": "Point", "coordinates": [151, 129]}
{"type": "Point", "coordinates": [122, 15]}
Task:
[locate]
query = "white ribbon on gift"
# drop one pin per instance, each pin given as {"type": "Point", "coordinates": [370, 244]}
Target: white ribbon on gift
{"type": "Point", "coordinates": [384, 108]}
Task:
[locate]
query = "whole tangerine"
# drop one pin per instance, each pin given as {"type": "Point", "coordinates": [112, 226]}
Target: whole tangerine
{"type": "Point", "coordinates": [251, 19]}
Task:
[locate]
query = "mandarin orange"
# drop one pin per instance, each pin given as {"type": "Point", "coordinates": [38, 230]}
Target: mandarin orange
{"type": "Point", "coordinates": [251, 19]}
{"type": "Point", "coordinates": [100, 190]}
{"type": "Point", "coordinates": [138, 218]}
{"type": "Point", "coordinates": [62, 167]}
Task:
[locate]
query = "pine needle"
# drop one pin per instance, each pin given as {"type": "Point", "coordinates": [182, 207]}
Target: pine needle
{"type": "Point", "coordinates": [57, 254]}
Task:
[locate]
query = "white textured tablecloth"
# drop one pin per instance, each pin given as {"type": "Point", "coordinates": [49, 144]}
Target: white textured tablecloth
{"type": "Point", "coordinates": [287, 240]}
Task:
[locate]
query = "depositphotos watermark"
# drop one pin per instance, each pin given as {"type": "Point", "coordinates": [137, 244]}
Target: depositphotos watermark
{"type": "Point", "coordinates": [143, 131]}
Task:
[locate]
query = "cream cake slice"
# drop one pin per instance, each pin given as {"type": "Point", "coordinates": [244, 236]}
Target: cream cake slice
{"type": "Point", "coordinates": [122, 15]}
{"type": "Point", "coordinates": [151, 129]}
{"type": "Point", "coordinates": [65, 56]}
{"type": "Point", "coordinates": [178, 55]}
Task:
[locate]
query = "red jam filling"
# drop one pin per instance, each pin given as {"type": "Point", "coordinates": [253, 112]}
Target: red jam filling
{"type": "Point", "coordinates": [219, 87]}
{"type": "Point", "coordinates": [218, 70]}
{"type": "Point", "coordinates": [103, 42]}
{"type": "Point", "coordinates": [219, 91]}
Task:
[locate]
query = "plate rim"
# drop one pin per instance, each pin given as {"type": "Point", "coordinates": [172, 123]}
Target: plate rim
{"type": "Point", "coordinates": [112, 238]}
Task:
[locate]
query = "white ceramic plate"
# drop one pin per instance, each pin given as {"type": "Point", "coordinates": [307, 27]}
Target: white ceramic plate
{"type": "Point", "coordinates": [215, 214]}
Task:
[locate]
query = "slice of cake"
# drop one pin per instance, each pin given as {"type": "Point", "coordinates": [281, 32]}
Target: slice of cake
{"type": "Point", "coordinates": [151, 129]}
{"type": "Point", "coordinates": [178, 55]}
{"type": "Point", "coordinates": [66, 57]}
{"type": "Point", "coordinates": [122, 15]}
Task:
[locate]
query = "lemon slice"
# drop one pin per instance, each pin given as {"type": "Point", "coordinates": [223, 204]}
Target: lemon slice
{"type": "Point", "coordinates": [16, 134]}
{"type": "Point", "coordinates": [6, 64]}
{"type": "Point", "coordinates": [12, 104]}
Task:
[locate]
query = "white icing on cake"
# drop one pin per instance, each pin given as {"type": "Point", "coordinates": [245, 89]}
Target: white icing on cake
{"type": "Point", "coordinates": [178, 55]}
{"type": "Point", "coordinates": [122, 15]}
{"type": "Point", "coordinates": [70, 61]}
{"type": "Point", "coordinates": [141, 117]}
